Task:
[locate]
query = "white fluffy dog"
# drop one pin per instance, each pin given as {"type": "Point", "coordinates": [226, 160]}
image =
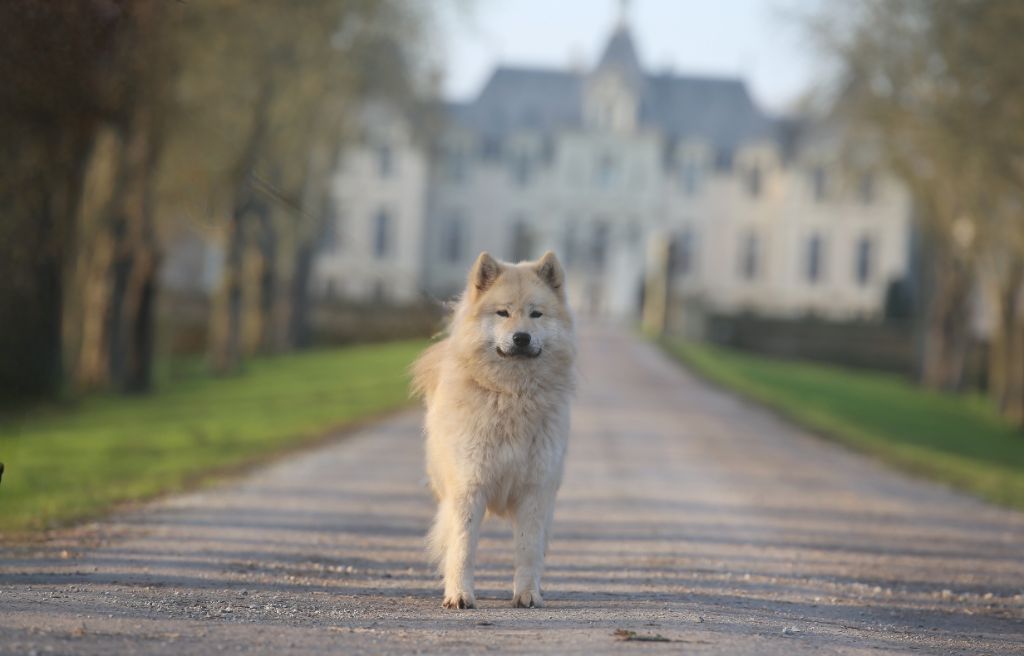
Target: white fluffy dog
{"type": "Point", "coordinates": [497, 392]}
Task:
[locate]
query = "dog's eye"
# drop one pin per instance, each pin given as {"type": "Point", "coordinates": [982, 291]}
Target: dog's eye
{"type": "Point", "coordinates": [536, 315]}
{"type": "Point", "coordinates": [502, 313]}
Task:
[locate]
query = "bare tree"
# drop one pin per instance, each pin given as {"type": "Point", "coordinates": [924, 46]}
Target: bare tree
{"type": "Point", "coordinates": [62, 81]}
{"type": "Point", "coordinates": [938, 86]}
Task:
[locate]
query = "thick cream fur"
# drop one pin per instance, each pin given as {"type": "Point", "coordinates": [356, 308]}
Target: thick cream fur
{"type": "Point", "coordinates": [497, 427]}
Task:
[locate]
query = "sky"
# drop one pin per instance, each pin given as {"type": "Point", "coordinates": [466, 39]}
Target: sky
{"type": "Point", "coordinates": [752, 39]}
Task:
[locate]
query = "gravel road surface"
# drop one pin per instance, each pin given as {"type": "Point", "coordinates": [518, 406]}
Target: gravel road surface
{"type": "Point", "coordinates": [689, 522]}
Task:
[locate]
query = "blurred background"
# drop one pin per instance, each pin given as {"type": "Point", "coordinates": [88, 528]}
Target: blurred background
{"type": "Point", "coordinates": [189, 188]}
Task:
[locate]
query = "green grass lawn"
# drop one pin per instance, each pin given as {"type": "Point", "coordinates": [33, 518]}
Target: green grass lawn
{"type": "Point", "coordinates": [959, 440]}
{"type": "Point", "coordinates": [74, 462]}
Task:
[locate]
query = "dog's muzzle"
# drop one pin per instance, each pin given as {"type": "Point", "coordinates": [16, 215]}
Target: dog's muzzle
{"type": "Point", "coordinates": [524, 352]}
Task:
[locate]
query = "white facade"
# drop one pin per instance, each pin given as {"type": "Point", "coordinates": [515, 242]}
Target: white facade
{"type": "Point", "coordinates": [600, 166]}
{"type": "Point", "coordinates": [372, 251]}
{"type": "Point", "coordinates": [810, 241]}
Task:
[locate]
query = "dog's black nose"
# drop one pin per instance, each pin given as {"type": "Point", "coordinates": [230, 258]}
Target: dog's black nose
{"type": "Point", "coordinates": [521, 339]}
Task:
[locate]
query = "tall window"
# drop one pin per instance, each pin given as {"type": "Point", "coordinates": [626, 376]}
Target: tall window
{"type": "Point", "coordinates": [819, 184]}
{"type": "Point", "coordinates": [569, 240]}
{"type": "Point", "coordinates": [865, 255]}
{"type": "Point", "coordinates": [815, 247]}
{"type": "Point", "coordinates": [754, 181]}
{"type": "Point", "coordinates": [382, 235]}
{"type": "Point", "coordinates": [691, 177]}
{"type": "Point", "coordinates": [599, 245]}
{"type": "Point", "coordinates": [866, 188]}
{"type": "Point", "coordinates": [331, 241]}
{"type": "Point", "coordinates": [521, 168]}
{"type": "Point", "coordinates": [522, 241]}
{"type": "Point", "coordinates": [453, 238]}
{"type": "Point", "coordinates": [606, 171]}
{"type": "Point", "coordinates": [455, 164]}
{"type": "Point", "coordinates": [683, 254]}
{"type": "Point", "coordinates": [750, 256]}
{"type": "Point", "coordinates": [385, 161]}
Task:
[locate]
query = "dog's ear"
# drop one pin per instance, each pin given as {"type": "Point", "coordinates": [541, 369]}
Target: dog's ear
{"type": "Point", "coordinates": [485, 271]}
{"type": "Point", "coordinates": [550, 271]}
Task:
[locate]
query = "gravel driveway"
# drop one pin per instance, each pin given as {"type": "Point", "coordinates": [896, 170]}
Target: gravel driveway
{"type": "Point", "coordinates": [686, 516]}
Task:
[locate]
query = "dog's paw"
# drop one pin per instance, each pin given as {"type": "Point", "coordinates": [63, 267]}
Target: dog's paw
{"type": "Point", "coordinates": [459, 600]}
{"type": "Point", "coordinates": [528, 599]}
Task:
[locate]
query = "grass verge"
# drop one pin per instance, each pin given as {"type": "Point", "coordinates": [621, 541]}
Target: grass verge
{"type": "Point", "coordinates": [65, 464]}
{"type": "Point", "coordinates": [958, 440]}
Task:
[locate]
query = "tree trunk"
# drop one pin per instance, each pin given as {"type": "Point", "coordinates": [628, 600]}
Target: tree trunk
{"type": "Point", "coordinates": [43, 170]}
{"type": "Point", "coordinates": [225, 351]}
{"type": "Point", "coordinates": [136, 261]}
{"type": "Point", "coordinates": [87, 300]}
{"type": "Point", "coordinates": [226, 317]}
{"type": "Point", "coordinates": [1003, 295]}
{"type": "Point", "coordinates": [266, 286]}
{"type": "Point", "coordinates": [93, 316]}
{"type": "Point", "coordinates": [947, 324]}
{"type": "Point", "coordinates": [299, 332]}
{"type": "Point", "coordinates": [1012, 402]}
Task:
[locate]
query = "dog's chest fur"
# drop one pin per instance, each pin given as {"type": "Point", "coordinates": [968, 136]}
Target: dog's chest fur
{"type": "Point", "coordinates": [499, 442]}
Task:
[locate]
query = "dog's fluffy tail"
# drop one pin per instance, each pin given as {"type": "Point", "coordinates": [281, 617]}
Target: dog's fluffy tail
{"type": "Point", "coordinates": [437, 538]}
{"type": "Point", "coordinates": [427, 369]}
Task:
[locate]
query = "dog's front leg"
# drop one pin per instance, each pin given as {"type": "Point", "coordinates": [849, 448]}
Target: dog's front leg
{"type": "Point", "coordinates": [467, 511]}
{"type": "Point", "coordinates": [532, 520]}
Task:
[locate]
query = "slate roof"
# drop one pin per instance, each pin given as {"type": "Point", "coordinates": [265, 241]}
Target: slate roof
{"type": "Point", "coordinates": [524, 99]}
{"type": "Point", "coordinates": [719, 111]}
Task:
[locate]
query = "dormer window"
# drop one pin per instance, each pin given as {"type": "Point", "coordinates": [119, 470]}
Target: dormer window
{"type": "Point", "coordinates": [615, 86]}
{"type": "Point", "coordinates": [611, 105]}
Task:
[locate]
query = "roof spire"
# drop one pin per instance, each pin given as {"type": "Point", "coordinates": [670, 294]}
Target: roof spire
{"type": "Point", "coordinates": [623, 22]}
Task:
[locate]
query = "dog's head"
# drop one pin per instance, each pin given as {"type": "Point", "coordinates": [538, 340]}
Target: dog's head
{"type": "Point", "coordinates": [516, 313]}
